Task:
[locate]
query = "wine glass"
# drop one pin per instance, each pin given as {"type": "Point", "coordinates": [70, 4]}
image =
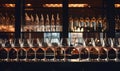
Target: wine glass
{"type": "Point", "coordinates": [93, 51]}
{"type": "Point", "coordinates": [7, 47]}
{"type": "Point", "coordinates": [99, 45]}
{"type": "Point", "coordinates": [106, 48]}
{"type": "Point", "coordinates": [26, 48]}
{"type": "Point", "coordinates": [114, 50]}
{"type": "Point", "coordinates": [49, 50]}
{"type": "Point", "coordinates": [2, 50]}
{"type": "Point", "coordinates": [16, 47]}
{"type": "Point", "coordinates": [35, 44]}
{"type": "Point", "coordinates": [21, 52]}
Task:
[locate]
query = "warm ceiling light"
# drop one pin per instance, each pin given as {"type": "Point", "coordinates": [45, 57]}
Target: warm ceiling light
{"type": "Point", "coordinates": [70, 5]}
{"type": "Point", "coordinates": [52, 5]}
{"type": "Point", "coordinates": [9, 5]}
{"type": "Point", "coordinates": [28, 5]}
{"type": "Point", "coordinates": [117, 5]}
{"type": "Point", "coordinates": [78, 5]}
{"type": "Point", "coordinates": [13, 5]}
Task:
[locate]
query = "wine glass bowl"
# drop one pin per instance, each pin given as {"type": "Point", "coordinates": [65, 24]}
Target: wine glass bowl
{"type": "Point", "coordinates": [94, 54]}
{"type": "Point", "coordinates": [35, 47]}
{"type": "Point", "coordinates": [59, 53]}
{"type": "Point", "coordinates": [72, 54]}
{"type": "Point", "coordinates": [112, 54]}
{"type": "Point", "coordinates": [50, 53]}
{"type": "Point", "coordinates": [103, 54]}
{"type": "Point", "coordinates": [26, 47]}
{"type": "Point", "coordinates": [84, 55]}
{"type": "Point", "coordinates": [40, 56]}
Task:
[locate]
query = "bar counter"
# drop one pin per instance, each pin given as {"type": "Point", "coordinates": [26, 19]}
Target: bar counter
{"type": "Point", "coordinates": [59, 66]}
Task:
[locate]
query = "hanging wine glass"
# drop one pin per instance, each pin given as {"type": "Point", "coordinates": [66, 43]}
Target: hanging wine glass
{"type": "Point", "coordinates": [35, 47]}
{"type": "Point", "coordinates": [21, 52]}
{"type": "Point", "coordinates": [7, 47]}
{"type": "Point", "coordinates": [3, 52]}
{"type": "Point", "coordinates": [40, 56]}
{"type": "Point", "coordinates": [16, 47]}
{"type": "Point", "coordinates": [26, 48]}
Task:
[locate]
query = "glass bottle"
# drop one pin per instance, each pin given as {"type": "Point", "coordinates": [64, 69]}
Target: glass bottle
{"type": "Point", "coordinates": [58, 25]}
{"type": "Point", "coordinates": [99, 25]}
{"type": "Point", "coordinates": [42, 27]}
{"type": "Point", "coordinates": [71, 24]}
{"type": "Point", "coordinates": [37, 23]}
{"type": "Point", "coordinates": [82, 24]}
{"type": "Point", "coordinates": [104, 24]}
{"type": "Point", "coordinates": [87, 24]}
{"type": "Point", "coordinates": [27, 27]}
{"type": "Point", "coordinates": [93, 24]}
{"type": "Point", "coordinates": [76, 24]}
{"type": "Point", "coordinates": [52, 23]}
{"type": "Point", "coordinates": [47, 24]}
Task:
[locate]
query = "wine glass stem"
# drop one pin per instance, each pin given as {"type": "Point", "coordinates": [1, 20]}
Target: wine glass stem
{"type": "Point", "coordinates": [17, 55]}
{"type": "Point", "coordinates": [116, 55]}
{"type": "Point", "coordinates": [8, 56]}
{"type": "Point", "coordinates": [98, 55]}
{"type": "Point", "coordinates": [35, 55]}
{"type": "Point", "coordinates": [26, 56]}
{"type": "Point", "coordinates": [64, 56]}
{"type": "Point", "coordinates": [45, 55]}
{"type": "Point", "coordinates": [107, 55]}
{"type": "Point", "coordinates": [79, 56]}
{"type": "Point", "coordinates": [54, 56]}
{"type": "Point", "coordinates": [89, 55]}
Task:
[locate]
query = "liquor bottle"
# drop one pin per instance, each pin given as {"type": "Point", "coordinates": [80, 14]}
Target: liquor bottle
{"type": "Point", "coordinates": [37, 23]}
{"type": "Point", "coordinates": [104, 24]}
{"type": "Point", "coordinates": [87, 24]}
{"type": "Point", "coordinates": [32, 23]}
{"type": "Point", "coordinates": [71, 24]}
{"type": "Point", "coordinates": [52, 23]}
{"type": "Point", "coordinates": [42, 27]}
{"type": "Point", "coordinates": [117, 21]}
{"type": "Point", "coordinates": [99, 25]}
{"type": "Point", "coordinates": [58, 25]}
{"type": "Point", "coordinates": [93, 24]}
{"type": "Point", "coordinates": [82, 24]}
{"type": "Point", "coordinates": [47, 24]}
{"type": "Point", "coordinates": [27, 18]}
{"type": "Point", "coordinates": [32, 18]}
{"type": "Point", "coordinates": [28, 22]}
{"type": "Point", "coordinates": [76, 24]}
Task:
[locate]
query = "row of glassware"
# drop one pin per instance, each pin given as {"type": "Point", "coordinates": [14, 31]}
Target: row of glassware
{"type": "Point", "coordinates": [36, 50]}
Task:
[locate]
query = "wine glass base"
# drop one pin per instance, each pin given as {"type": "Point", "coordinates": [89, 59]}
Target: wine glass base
{"type": "Point", "coordinates": [84, 60]}
{"type": "Point", "coordinates": [74, 60]}
{"type": "Point", "coordinates": [7, 60]}
{"type": "Point", "coordinates": [117, 60]}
